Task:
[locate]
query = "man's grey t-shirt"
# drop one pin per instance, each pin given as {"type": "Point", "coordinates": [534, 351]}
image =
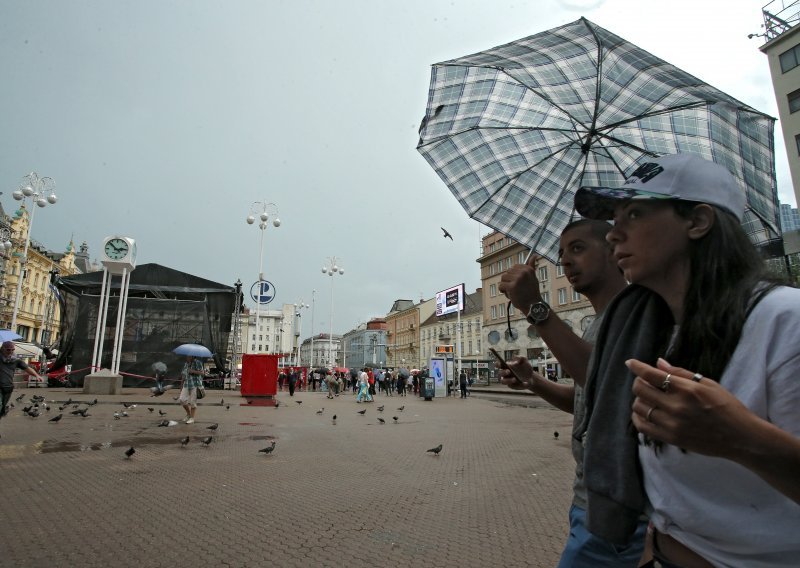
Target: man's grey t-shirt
{"type": "Point", "coordinates": [579, 411]}
{"type": "Point", "coordinates": [7, 368]}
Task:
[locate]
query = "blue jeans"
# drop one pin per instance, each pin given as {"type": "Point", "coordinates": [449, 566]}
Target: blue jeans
{"type": "Point", "coordinates": [585, 550]}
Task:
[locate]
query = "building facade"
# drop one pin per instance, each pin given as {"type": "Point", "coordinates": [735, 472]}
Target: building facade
{"type": "Point", "coordinates": [321, 350]}
{"type": "Point", "coordinates": [402, 331]}
{"type": "Point", "coordinates": [38, 310]}
{"type": "Point", "coordinates": [782, 49]}
{"type": "Point", "coordinates": [790, 218]}
{"type": "Point", "coordinates": [365, 346]}
{"type": "Point", "coordinates": [468, 344]}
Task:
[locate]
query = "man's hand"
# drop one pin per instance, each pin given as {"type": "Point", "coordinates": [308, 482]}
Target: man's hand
{"type": "Point", "coordinates": [520, 284]}
{"type": "Point", "coordinates": [519, 375]}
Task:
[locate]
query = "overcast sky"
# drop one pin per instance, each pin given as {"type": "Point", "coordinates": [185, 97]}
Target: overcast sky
{"type": "Point", "coordinates": [165, 120]}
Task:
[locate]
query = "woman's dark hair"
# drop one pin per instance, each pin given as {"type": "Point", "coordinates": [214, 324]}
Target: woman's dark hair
{"type": "Point", "coordinates": [728, 279]}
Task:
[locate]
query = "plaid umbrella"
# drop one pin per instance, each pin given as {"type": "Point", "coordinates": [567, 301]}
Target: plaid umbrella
{"type": "Point", "coordinates": [514, 131]}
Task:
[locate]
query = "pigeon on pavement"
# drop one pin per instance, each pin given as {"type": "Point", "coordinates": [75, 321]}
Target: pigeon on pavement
{"type": "Point", "coordinates": [268, 450]}
{"type": "Point", "coordinates": [299, 401]}
{"type": "Point", "coordinates": [151, 409]}
{"type": "Point", "coordinates": [207, 441]}
{"type": "Point", "coordinates": [321, 410]}
{"type": "Point", "coordinates": [129, 452]}
{"type": "Point", "coordinates": [213, 426]}
{"type": "Point", "coordinates": [381, 420]}
{"type": "Point", "coordinates": [436, 450]}
{"type": "Point", "coordinates": [395, 419]}
{"type": "Point", "coordinates": [185, 441]}
{"type": "Point", "coordinates": [56, 418]}
{"type": "Point", "coordinates": [161, 412]}
{"type": "Point", "coordinates": [401, 408]}
{"type": "Point", "coordinates": [362, 412]}
{"type": "Point", "coordinates": [380, 408]}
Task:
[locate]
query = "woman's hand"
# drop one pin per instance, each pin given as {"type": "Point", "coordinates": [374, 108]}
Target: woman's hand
{"type": "Point", "coordinates": [697, 415]}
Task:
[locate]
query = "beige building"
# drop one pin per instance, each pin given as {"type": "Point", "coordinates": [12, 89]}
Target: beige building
{"type": "Point", "coordinates": [38, 314]}
{"type": "Point", "coordinates": [783, 53]}
{"type": "Point", "coordinates": [402, 332]}
{"type": "Point", "coordinates": [443, 330]}
{"type": "Point", "coordinates": [499, 254]}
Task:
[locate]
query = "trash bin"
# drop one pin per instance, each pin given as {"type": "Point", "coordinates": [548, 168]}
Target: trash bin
{"type": "Point", "coordinates": [427, 389]}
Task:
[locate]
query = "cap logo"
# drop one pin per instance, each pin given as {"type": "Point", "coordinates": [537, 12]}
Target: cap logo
{"type": "Point", "coordinates": [645, 173]}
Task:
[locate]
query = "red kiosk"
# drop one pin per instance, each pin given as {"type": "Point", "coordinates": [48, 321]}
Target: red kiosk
{"type": "Point", "coordinates": [260, 375]}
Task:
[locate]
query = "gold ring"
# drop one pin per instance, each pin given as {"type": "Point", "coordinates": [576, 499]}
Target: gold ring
{"type": "Point", "coordinates": [665, 384]}
{"type": "Point", "coordinates": [649, 412]}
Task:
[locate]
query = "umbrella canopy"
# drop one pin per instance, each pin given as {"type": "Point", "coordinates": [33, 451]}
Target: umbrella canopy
{"type": "Point", "coordinates": [514, 131]}
{"type": "Point", "coordinates": [403, 372]}
{"type": "Point", "coordinates": [192, 349]}
{"type": "Point", "coordinates": [8, 335]}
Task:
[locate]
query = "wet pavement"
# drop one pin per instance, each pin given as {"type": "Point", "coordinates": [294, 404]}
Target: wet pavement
{"type": "Point", "coordinates": [349, 492]}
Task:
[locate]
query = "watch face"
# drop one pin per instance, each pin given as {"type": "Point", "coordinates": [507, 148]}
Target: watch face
{"type": "Point", "coordinates": [116, 249]}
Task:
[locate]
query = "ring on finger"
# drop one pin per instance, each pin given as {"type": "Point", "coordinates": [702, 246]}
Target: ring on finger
{"type": "Point", "coordinates": [697, 377]}
{"type": "Point", "coordinates": [665, 384]}
{"type": "Point", "coordinates": [649, 412]}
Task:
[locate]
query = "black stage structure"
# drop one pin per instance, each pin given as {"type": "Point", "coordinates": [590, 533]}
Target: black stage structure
{"type": "Point", "coordinates": [165, 308]}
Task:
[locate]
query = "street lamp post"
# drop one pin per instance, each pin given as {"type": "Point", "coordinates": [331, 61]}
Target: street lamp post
{"type": "Point", "coordinates": [298, 317]}
{"type": "Point", "coordinates": [262, 209]}
{"type": "Point", "coordinates": [331, 269]}
{"type": "Point", "coordinates": [41, 192]}
{"type": "Point", "coordinates": [313, 297]}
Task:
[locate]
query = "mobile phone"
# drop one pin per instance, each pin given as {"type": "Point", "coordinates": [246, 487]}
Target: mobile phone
{"type": "Point", "coordinates": [503, 364]}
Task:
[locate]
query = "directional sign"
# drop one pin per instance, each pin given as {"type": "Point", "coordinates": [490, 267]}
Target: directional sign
{"type": "Point", "coordinates": [262, 292]}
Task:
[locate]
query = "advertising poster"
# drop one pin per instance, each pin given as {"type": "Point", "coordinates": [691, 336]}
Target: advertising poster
{"type": "Point", "coordinates": [450, 301]}
{"type": "Point", "coordinates": [439, 378]}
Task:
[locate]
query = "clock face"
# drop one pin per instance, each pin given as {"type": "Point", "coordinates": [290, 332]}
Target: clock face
{"type": "Point", "coordinates": [116, 249]}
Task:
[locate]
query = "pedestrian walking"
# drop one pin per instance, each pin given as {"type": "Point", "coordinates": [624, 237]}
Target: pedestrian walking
{"type": "Point", "coordinates": [192, 375]}
{"type": "Point", "coordinates": [8, 364]}
{"type": "Point", "coordinates": [292, 381]}
{"type": "Point", "coordinates": [462, 383]}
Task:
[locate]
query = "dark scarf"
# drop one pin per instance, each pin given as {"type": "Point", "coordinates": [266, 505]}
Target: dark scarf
{"type": "Point", "coordinates": [637, 324]}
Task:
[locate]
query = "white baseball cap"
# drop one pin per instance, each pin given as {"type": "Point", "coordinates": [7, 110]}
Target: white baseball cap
{"type": "Point", "coordinates": [684, 177]}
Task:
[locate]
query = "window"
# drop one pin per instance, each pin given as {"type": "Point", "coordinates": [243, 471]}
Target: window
{"type": "Point", "coordinates": [562, 296]}
{"type": "Point", "coordinates": [470, 345]}
{"type": "Point", "coordinates": [521, 257]}
{"type": "Point", "coordinates": [546, 297]}
{"type": "Point", "coordinates": [586, 322]}
{"type": "Point", "coordinates": [491, 247]}
{"type": "Point", "coordinates": [508, 263]}
{"type": "Point", "coordinates": [542, 272]}
{"type": "Point", "coordinates": [491, 269]}
{"type": "Point", "coordinates": [559, 270]}
{"type": "Point", "coordinates": [499, 266]}
{"type": "Point", "coordinates": [797, 143]}
{"type": "Point", "coordinates": [253, 347]}
{"type": "Point", "coordinates": [511, 310]}
{"type": "Point", "coordinates": [494, 312]}
{"type": "Point", "coordinates": [479, 345]}
{"type": "Point", "coordinates": [576, 296]}
{"type": "Point", "coordinates": [790, 59]}
{"type": "Point", "coordinates": [794, 100]}
{"type": "Point", "coordinates": [492, 290]}
{"type": "Point", "coordinates": [469, 325]}
{"type": "Point", "coordinates": [502, 310]}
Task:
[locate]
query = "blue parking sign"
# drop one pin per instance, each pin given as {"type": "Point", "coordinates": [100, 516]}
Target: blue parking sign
{"type": "Point", "coordinates": [262, 292]}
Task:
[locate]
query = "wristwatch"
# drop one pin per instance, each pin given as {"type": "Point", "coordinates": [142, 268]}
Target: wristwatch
{"type": "Point", "coordinates": [538, 313]}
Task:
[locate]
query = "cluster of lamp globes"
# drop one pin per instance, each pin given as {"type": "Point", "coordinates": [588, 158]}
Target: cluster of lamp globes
{"type": "Point", "coordinates": [263, 224]}
{"type": "Point", "coordinates": [331, 270]}
{"type": "Point", "coordinates": [39, 187]}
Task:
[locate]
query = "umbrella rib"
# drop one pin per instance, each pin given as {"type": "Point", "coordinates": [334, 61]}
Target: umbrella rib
{"type": "Point", "coordinates": [669, 110]}
{"type": "Point", "coordinates": [588, 142]}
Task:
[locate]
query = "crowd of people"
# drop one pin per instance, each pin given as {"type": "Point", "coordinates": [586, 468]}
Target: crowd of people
{"type": "Point", "coordinates": [687, 385]}
{"type": "Point", "coordinates": [365, 383]}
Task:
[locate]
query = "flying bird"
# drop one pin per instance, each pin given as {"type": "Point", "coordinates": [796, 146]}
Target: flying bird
{"type": "Point", "coordinates": [214, 426]}
{"type": "Point", "coordinates": [395, 419]}
{"type": "Point", "coordinates": [446, 234]}
{"type": "Point", "coordinates": [129, 452]}
{"type": "Point", "coordinates": [555, 434]}
{"type": "Point", "coordinates": [207, 441]}
{"type": "Point", "coordinates": [400, 408]}
{"type": "Point", "coordinates": [56, 418]}
{"type": "Point", "coordinates": [381, 420]}
{"type": "Point", "coordinates": [268, 450]}
{"type": "Point", "coordinates": [362, 412]}
{"type": "Point", "coordinates": [185, 441]}
{"type": "Point", "coordinates": [380, 408]}
{"type": "Point", "coordinates": [436, 450]}
{"type": "Point", "coordinates": [321, 410]}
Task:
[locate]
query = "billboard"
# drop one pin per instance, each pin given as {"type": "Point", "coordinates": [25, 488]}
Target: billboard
{"type": "Point", "coordinates": [450, 301]}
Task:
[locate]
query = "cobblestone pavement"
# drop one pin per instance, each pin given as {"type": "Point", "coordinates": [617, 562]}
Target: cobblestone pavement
{"type": "Point", "coordinates": [357, 493]}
